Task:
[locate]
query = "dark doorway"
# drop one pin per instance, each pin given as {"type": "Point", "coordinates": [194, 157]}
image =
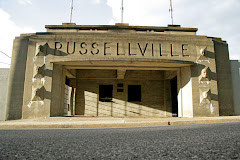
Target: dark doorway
{"type": "Point", "coordinates": [105, 93]}
{"type": "Point", "coordinates": [67, 81]}
{"type": "Point", "coordinates": [174, 94]}
{"type": "Point", "coordinates": [134, 93]}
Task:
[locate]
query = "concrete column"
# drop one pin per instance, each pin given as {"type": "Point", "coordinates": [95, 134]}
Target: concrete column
{"type": "Point", "coordinates": [185, 102]}
{"type": "Point", "coordinates": [16, 79]}
{"type": "Point", "coordinates": [61, 106]}
{"type": "Point", "coordinates": [179, 88]}
{"type": "Point", "coordinates": [224, 79]}
{"type": "Point", "coordinates": [57, 90]}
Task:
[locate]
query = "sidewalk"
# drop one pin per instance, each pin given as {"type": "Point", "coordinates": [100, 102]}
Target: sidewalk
{"type": "Point", "coordinates": [108, 122]}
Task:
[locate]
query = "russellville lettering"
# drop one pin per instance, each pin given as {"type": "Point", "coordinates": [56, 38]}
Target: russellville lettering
{"type": "Point", "coordinates": [124, 49]}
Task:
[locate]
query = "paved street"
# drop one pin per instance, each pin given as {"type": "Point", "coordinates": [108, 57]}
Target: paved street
{"type": "Point", "coordinates": [206, 141]}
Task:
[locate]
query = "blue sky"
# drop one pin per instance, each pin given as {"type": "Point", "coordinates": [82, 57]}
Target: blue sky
{"type": "Point", "coordinates": [216, 18]}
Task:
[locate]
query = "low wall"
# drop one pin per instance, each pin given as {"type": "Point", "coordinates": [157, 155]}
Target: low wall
{"type": "Point", "coordinates": [235, 68]}
{"type": "Point", "coordinates": [3, 92]}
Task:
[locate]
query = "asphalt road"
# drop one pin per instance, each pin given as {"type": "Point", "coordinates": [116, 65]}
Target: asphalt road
{"type": "Point", "coordinates": [210, 141]}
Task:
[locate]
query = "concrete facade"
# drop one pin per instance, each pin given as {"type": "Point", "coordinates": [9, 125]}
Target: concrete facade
{"type": "Point", "coordinates": [3, 94]}
{"type": "Point", "coordinates": [235, 69]}
{"type": "Point", "coordinates": [119, 71]}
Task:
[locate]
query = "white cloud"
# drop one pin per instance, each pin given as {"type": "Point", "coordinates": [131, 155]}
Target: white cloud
{"type": "Point", "coordinates": [25, 2]}
{"type": "Point", "coordinates": [8, 31]}
{"type": "Point", "coordinates": [140, 12]}
{"type": "Point", "coordinates": [96, 1]}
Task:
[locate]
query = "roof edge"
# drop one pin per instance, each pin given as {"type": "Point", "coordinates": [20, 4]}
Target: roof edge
{"type": "Point", "coordinates": [121, 27]}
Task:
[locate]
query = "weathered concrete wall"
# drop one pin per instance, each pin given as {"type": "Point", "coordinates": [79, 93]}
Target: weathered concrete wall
{"type": "Point", "coordinates": [224, 78]}
{"type": "Point", "coordinates": [38, 83]}
{"type": "Point", "coordinates": [235, 69]}
{"type": "Point", "coordinates": [4, 72]}
{"type": "Point", "coordinates": [204, 82]}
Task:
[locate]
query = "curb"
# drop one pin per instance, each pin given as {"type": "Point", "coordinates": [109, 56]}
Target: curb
{"type": "Point", "coordinates": [101, 124]}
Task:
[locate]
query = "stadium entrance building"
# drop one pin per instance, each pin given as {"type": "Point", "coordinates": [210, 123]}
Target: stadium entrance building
{"type": "Point", "coordinates": [119, 71]}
